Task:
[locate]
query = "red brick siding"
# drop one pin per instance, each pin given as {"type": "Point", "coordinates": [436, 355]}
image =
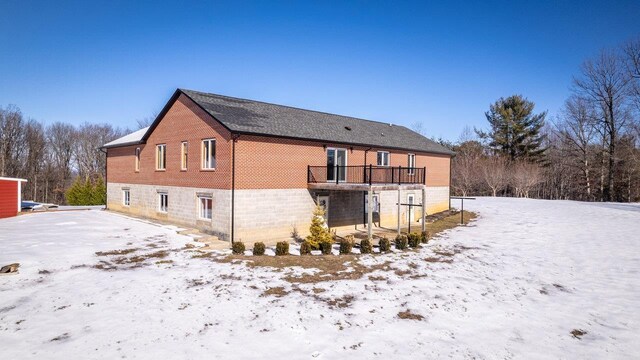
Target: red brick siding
{"type": "Point", "coordinates": [275, 163]}
{"type": "Point", "coordinates": [8, 198]}
{"type": "Point", "coordinates": [184, 121]}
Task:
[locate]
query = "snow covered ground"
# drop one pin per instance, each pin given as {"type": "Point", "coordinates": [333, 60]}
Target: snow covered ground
{"type": "Point", "coordinates": [513, 284]}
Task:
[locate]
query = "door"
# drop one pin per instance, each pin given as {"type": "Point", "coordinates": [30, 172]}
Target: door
{"type": "Point", "coordinates": [376, 204]}
{"type": "Point", "coordinates": [323, 202]}
{"type": "Point", "coordinates": [336, 165]}
{"type": "Point", "coordinates": [410, 198]}
{"type": "Point", "coordinates": [376, 209]}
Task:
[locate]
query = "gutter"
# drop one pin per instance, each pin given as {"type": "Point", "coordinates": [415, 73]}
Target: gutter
{"type": "Point", "coordinates": [234, 139]}
{"type": "Point", "coordinates": [106, 183]}
{"type": "Point", "coordinates": [364, 195]}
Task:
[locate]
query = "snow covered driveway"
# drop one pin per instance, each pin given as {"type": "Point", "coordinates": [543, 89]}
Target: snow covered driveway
{"type": "Point", "coordinates": [513, 284]}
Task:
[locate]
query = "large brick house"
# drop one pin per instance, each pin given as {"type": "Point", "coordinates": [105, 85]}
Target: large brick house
{"type": "Point", "coordinates": [253, 171]}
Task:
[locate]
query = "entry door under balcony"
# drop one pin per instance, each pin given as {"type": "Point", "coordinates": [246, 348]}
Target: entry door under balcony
{"type": "Point", "coordinates": [336, 165]}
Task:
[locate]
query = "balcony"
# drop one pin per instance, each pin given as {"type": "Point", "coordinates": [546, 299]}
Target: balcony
{"type": "Point", "coordinates": [362, 176]}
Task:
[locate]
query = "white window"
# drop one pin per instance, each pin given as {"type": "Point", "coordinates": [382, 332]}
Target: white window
{"type": "Point", "coordinates": [163, 202]}
{"type": "Point", "coordinates": [184, 153]}
{"type": "Point", "coordinates": [209, 154]}
{"type": "Point", "coordinates": [137, 161]}
{"type": "Point", "coordinates": [126, 197]}
{"type": "Point", "coordinates": [412, 164]}
{"type": "Point", "coordinates": [161, 156]}
{"type": "Point", "coordinates": [205, 204]}
{"type": "Point", "coordinates": [383, 158]}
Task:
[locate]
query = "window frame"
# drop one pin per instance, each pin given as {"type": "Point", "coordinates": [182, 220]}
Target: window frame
{"type": "Point", "coordinates": [211, 164]}
{"type": "Point", "coordinates": [126, 197]}
{"type": "Point", "coordinates": [166, 202]}
{"type": "Point", "coordinates": [412, 167]}
{"type": "Point", "coordinates": [184, 155]}
{"type": "Point", "coordinates": [202, 210]}
{"type": "Point", "coordinates": [163, 156]}
{"type": "Point", "coordinates": [137, 160]}
{"type": "Point", "coordinates": [388, 158]}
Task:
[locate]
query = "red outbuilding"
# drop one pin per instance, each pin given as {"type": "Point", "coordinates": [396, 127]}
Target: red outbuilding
{"type": "Point", "coordinates": [10, 196]}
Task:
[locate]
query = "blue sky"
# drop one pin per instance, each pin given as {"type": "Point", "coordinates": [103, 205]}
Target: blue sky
{"type": "Point", "coordinates": [439, 63]}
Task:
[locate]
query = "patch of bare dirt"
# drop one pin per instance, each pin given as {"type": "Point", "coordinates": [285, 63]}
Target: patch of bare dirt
{"type": "Point", "coordinates": [277, 291]}
{"type": "Point", "coordinates": [433, 259]}
{"type": "Point", "coordinates": [578, 333]}
{"type": "Point", "coordinates": [339, 302]}
{"type": "Point", "coordinates": [408, 315]}
{"type": "Point", "coordinates": [116, 252]}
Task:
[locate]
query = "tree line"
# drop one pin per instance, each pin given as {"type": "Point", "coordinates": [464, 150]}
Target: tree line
{"type": "Point", "coordinates": [57, 160]}
{"type": "Point", "coordinates": [590, 151]}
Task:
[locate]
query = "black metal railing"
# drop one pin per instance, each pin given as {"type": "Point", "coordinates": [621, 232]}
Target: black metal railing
{"type": "Point", "coordinates": [366, 174]}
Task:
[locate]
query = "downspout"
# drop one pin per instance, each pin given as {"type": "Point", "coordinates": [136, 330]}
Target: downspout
{"type": "Point", "coordinates": [106, 183]}
{"type": "Point", "coordinates": [234, 139]}
{"type": "Point", "coordinates": [450, 175]}
{"type": "Point", "coordinates": [364, 195]}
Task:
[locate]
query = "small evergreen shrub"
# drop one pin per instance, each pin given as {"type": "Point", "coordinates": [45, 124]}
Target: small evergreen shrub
{"type": "Point", "coordinates": [401, 242]}
{"type": "Point", "coordinates": [318, 231]}
{"type": "Point", "coordinates": [258, 249]}
{"type": "Point", "coordinates": [238, 248]}
{"type": "Point", "coordinates": [326, 247]}
{"type": "Point", "coordinates": [305, 248]}
{"type": "Point", "coordinates": [384, 245]}
{"type": "Point", "coordinates": [424, 237]}
{"type": "Point", "coordinates": [346, 245]}
{"type": "Point", "coordinates": [282, 248]}
{"type": "Point", "coordinates": [414, 240]}
{"type": "Point", "coordinates": [366, 247]}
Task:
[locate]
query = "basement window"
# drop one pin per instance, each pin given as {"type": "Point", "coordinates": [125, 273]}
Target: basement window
{"type": "Point", "coordinates": [205, 204]}
{"type": "Point", "coordinates": [163, 202]}
{"type": "Point", "coordinates": [126, 197]}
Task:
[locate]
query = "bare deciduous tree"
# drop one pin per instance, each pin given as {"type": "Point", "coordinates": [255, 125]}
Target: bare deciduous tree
{"type": "Point", "coordinates": [89, 138]}
{"type": "Point", "coordinates": [495, 173]}
{"type": "Point", "coordinates": [524, 176]}
{"type": "Point", "coordinates": [577, 129]}
{"type": "Point", "coordinates": [605, 83]}
{"type": "Point", "coordinates": [11, 141]}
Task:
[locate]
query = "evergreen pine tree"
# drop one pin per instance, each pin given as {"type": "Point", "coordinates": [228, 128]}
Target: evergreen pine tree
{"type": "Point", "coordinates": [515, 129]}
{"type": "Point", "coordinates": [318, 231]}
{"type": "Point", "coordinates": [72, 195]}
{"type": "Point", "coordinates": [86, 191]}
{"type": "Point", "coordinates": [99, 193]}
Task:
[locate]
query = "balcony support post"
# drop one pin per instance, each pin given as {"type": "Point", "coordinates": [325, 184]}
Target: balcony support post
{"type": "Point", "coordinates": [370, 214]}
{"type": "Point", "coordinates": [399, 202]}
{"type": "Point", "coordinates": [424, 208]}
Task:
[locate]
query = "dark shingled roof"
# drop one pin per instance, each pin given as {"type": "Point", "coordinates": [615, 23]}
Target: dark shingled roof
{"type": "Point", "coordinates": [255, 117]}
{"type": "Point", "coordinates": [259, 118]}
